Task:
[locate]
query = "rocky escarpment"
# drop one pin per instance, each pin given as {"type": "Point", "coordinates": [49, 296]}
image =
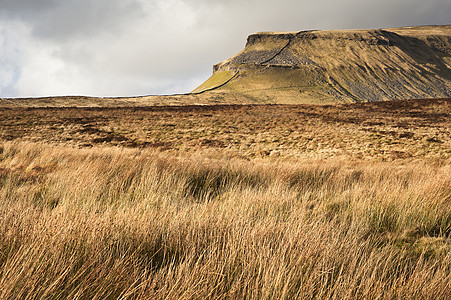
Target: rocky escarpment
{"type": "Point", "coordinates": [347, 65]}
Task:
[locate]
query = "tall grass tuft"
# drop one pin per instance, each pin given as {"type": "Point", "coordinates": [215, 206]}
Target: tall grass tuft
{"type": "Point", "coordinates": [137, 224]}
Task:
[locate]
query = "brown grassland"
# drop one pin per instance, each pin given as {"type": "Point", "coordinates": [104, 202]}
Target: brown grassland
{"type": "Point", "coordinates": [348, 201]}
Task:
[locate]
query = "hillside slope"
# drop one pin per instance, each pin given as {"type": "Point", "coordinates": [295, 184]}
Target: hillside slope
{"type": "Point", "coordinates": [338, 66]}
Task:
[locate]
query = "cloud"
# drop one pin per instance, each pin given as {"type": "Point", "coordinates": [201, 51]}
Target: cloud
{"type": "Point", "coordinates": [61, 20]}
{"type": "Point", "coordinates": [134, 47]}
{"type": "Point", "coordinates": [14, 8]}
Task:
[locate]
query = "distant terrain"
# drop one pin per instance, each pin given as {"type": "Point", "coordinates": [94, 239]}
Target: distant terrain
{"type": "Point", "coordinates": [339, 66]}
{"type": "Point", "coordinates": [335, 66]}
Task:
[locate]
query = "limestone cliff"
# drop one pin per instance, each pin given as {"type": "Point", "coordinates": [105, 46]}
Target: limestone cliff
{"type": "Point", "coordinates": [336, 66]}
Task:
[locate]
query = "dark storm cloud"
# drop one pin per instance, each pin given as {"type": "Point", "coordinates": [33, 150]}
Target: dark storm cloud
{"type": "Point", "coordinates": [129, 47]}
{"type": "Point", "coordinates": [61, 20]}
{"type": "Point", "coordinates": [24, 7]}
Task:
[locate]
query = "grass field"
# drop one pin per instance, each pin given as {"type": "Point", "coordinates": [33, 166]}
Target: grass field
{"type": "Point", "coordinates": [376, 131]}
{"type": "Point", "coordinates": [226, 202]}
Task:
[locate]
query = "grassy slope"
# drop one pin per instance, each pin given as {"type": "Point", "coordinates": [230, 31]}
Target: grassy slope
{"type": "Point", "coordinates": [280, 85]}
{"type": "Point", "coordinates": [214, 81]}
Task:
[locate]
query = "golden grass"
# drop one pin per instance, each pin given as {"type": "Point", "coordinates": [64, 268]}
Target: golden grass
{"type": "Point", "coordinates": [141, 224]}
{"type": "Point", "coordinates": [389, 130]}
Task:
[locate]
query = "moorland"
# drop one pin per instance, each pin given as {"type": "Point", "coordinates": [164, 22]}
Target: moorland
{"type": "Point", "coordinates": [339, 201]}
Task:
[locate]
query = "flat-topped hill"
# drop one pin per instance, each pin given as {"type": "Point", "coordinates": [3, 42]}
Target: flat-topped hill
{"type": "Point", "coordinates": [338, 65]}
{"type": "Point", "coordinates": [310, 67]}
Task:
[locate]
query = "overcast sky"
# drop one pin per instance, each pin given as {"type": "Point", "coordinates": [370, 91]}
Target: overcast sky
{"type": "Point", "coordinates": [142, 47]}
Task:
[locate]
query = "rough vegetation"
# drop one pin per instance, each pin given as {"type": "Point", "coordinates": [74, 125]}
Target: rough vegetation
{"type": "Point", "coordinates": [226, 202]}
{"type": "Point", "coordinates": [126, 223]}
{"type": "Point", "coordinates": [373, 130]}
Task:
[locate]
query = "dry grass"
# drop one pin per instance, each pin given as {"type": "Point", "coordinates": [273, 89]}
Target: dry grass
{"type": "Point", "coordinates": [227, 202]}
{"type": "Point", "coordinates": [375, 131]}
{"type": "Point", "coordinates": [139, 223]}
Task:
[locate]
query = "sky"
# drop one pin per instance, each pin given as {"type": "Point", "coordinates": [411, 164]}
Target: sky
{"type": "Point", "coordinates": [149, 47]}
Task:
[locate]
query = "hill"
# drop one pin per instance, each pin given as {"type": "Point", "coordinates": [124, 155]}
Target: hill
{"type": "Point", "coordinates": [310, 67]}
{"type": "Point", "coordinates": [338, 66]}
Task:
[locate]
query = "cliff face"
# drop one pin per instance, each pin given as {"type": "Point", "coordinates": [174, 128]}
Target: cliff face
{"type": "Point", "coordinates": [335, 66]}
